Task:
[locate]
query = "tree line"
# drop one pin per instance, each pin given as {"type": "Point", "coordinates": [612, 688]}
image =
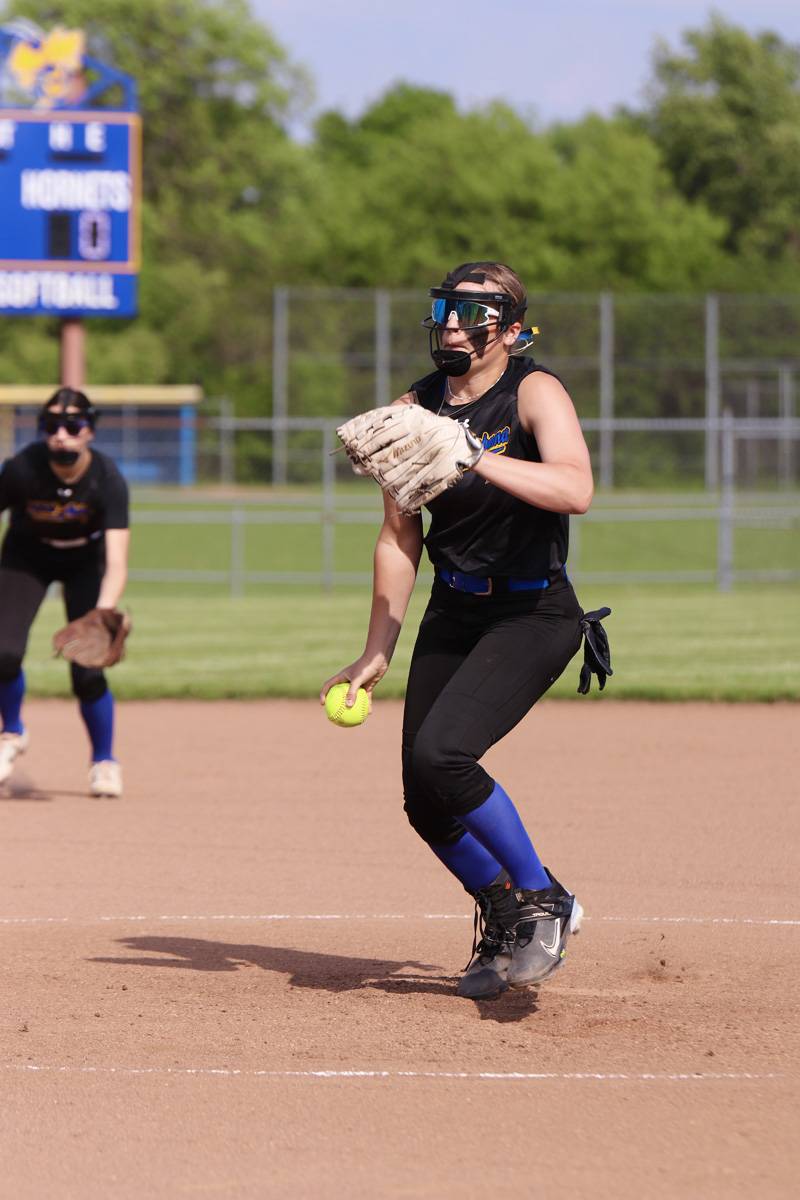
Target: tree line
{"type": "Point", "coordinates": [696, 190]}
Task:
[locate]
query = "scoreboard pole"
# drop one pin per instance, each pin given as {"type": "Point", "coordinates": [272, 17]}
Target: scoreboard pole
{"type": "Point", "coordinates": [73, 353]}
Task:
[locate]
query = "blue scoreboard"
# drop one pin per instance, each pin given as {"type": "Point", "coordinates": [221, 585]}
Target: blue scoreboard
{"type": "Point", "coordinates": [70, 186]}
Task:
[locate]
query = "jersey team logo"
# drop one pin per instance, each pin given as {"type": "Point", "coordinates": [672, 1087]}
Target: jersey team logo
{"type": "Point", "coordinates": [497, 443]}
{"type": "Point", "coordinates": [53, 510]}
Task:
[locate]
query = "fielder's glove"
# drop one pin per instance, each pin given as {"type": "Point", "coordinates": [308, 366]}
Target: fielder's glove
{"type": "Point", "coordinates": [412, 453]}
{"type": "Point", "coordinates": [94, 640]}
{"type": "Point", "coordinates": [596, 652]}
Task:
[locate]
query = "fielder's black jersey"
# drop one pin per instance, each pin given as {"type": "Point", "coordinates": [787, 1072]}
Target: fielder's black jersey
{"type": "Point", "coordinates": [44, 508]}
{"type": "Point", "coordinates": [476, 527]}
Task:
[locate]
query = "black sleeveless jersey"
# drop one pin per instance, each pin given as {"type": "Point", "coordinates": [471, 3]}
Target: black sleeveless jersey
{"type": "Point", "coordinates": [476, 527]}
{"type": "Point", "coordinates": [43, 507]}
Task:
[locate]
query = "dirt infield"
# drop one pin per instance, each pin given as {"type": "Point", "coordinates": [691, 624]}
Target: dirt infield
{"type": "Point", "coordinates": [239, 980]}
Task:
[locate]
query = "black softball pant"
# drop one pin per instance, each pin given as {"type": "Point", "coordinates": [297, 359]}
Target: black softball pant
{"type": "Point", "coordinates": [25, 576]}
{"type": "Point", "coordinates": [479, 665]}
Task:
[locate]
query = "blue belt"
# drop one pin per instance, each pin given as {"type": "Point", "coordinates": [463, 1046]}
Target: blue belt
{"type": "Point", "coordinates": [478, 585]}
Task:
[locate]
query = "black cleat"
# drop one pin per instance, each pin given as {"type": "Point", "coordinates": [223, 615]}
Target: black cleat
{"type": "Point", "coordinates": [487, 974]}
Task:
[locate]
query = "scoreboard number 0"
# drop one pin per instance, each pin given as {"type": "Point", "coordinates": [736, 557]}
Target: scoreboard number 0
{"type": "Point", "coordinates": [94, 235]}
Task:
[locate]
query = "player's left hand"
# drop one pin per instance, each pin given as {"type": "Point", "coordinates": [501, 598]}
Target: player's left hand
{"type": "Point", "coordinates": [96, 639]}
{"type": "Point", "coordinates": [412, 453]}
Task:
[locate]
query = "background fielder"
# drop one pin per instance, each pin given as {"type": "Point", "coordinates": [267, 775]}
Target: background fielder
{"type": "Point", "coordinates": [69, 523]}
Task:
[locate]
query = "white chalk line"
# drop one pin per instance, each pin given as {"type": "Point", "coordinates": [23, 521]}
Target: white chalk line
{"type": "Point", "coordinates": [168, 918]}
{"type": "Point", "coordinates": [501, 1076]}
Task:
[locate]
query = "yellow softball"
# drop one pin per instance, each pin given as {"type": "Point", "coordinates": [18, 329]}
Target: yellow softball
{"type": "Point", "coordinates": [337, 710]}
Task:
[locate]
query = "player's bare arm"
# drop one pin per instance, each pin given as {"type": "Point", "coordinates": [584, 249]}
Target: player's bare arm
{"type": "Point", "coordinates": [562, 481]}
{"type": "Point", "coordinates": [116, 573]}
{"type": "Point", "coordinates": [397, 553]}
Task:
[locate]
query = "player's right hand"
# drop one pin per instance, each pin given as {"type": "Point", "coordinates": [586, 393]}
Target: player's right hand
{"type": "Point", "coordinates": [366, 672]}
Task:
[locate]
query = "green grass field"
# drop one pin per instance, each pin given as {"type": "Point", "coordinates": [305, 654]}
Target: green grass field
{"type": "Point", "coordinates": [600, 543]}
{"type": "Point", "coordinates": [668, 643]}
{"type": "Point", "coordinates": [669, 640]}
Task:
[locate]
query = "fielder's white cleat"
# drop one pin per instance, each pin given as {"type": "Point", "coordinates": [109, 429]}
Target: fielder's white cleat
{"type": "Point", "coordinates": [11, 746]}
{"type": "Point", "coordinates": [105, 778]}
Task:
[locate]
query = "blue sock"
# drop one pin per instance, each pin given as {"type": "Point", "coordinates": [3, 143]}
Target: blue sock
{"type": "Point", "coordinates": [469, 862]}
{"type": "Point", "coordinates": [98, 716]}
{"type": "Point", "coordinates": [497, 826]}
{"type": "Point", "coordinates": [12, 693]}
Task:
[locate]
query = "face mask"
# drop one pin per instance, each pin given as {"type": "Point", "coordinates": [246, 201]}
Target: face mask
{"type": "Point", "coordinates": [63, 458]}
{"type": "Point", "coordinates": [452, 362]}
{"type": "Point", "coordinates": [475, 313]}
{"type": "Point", "coordinates": [458, 362]}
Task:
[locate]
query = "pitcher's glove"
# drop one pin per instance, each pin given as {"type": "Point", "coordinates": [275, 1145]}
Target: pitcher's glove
{"type": "Point", "coordinates": [96, 639]}
{"type": "Point", "coordinates": [596, 652]}
{"type": "Point", "coordinates": [412, 453]}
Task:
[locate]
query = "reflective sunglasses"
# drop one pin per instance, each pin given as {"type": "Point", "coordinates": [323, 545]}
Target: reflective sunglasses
{"type": "Point", "coordinates": [469, 313]}
{"type": "Point", "coordinates": [50, 423]}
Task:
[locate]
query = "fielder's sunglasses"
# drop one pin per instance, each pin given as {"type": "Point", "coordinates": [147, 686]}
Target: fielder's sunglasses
{"type": "Point", "coordinates": [50, 423]}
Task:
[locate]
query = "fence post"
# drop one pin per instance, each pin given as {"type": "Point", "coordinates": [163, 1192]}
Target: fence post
{"type": "Point", "coordinates": [786, 442]}
{"type": "Point", "coordinates": [725, 526]}
{"type": "Point", "coordinates": [383, 347]}
{"type": "Point", "coordinates": [7, 432]}
{"type": "Point", "coordinates": [237, 552]}
{"type": "Point", "coordinates": [606, 389]}
{"type": "Point", "coordinates": [750, 449]}
{"type": "Point", "coordinates": [712, 392]}
{"type": "Point", "coordinates": [328, 508]}
{"type": "Point", "coordinates": [226, 436]}
{"type": "Point", "coordinates": [575, 540]}
{"type": "Point", "coordinates": [130, 441]}
{"type": "Point", "coordinates": [188, 445]}
{"type": "Point", "coordinates": [280, 382]}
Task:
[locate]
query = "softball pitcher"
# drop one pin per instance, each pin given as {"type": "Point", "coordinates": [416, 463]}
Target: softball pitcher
{"type": "Point", "coordinates": [69, 523]}
{"type": "Point", "coordinates": [491, 444]}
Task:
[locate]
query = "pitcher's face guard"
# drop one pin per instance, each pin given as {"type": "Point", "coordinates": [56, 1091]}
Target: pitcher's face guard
{"type": "Point", "coordinates": [473, 310]}
{"type": "Point", "coordinates": [476, 313]}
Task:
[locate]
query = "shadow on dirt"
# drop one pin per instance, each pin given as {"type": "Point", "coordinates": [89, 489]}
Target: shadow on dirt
{"type": "Point", "coordinates": [37, 796]}
{"type": "Point", "coordinates": [21, 788]}
{"type": "Point", "coordinates": [32, 795]}
{"type": "Point", "coordinates": [323, 972]}
{"type": "Point", "coordinates": [305, 968]}
{"type": "Point", "coordinates": [511, 1006]}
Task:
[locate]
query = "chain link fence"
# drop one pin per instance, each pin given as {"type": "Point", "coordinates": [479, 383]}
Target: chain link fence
{"type": "Point", "coordinates": [324, 535]}
{"type": "Point", "coordinates": [688, 404]}
{"type": "Point", "coordinates": [622, 357]}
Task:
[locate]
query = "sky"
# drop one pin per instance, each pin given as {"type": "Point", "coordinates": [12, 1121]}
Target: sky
{"type": "Point", "coordinates": [549, 60]}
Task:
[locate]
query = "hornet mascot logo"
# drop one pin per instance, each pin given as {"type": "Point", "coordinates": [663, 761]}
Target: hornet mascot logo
{"type": "Point", "coordinates": [45, 66]}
